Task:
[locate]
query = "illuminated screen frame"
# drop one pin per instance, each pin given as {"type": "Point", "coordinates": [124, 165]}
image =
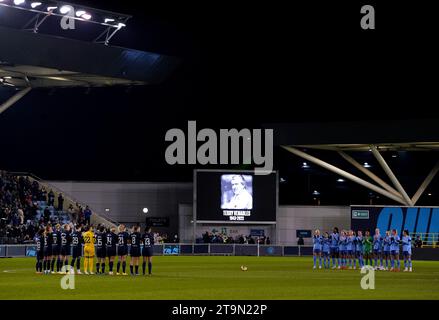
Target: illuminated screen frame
{"type": "Point", "coordinates": [228, 171]}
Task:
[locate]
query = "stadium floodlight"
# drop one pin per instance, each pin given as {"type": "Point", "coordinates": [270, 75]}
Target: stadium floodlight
{"type": "Point", "coordinates": [65, 9]}
{"type": "Point", "coordinates": [80, 13]}
{"type": "Point", "coordinates": [42, 10]}
{"type": "Point", "coordinates": [305, 165]}
{"type": "Point", "coordinates": [145, 210]}
{"type": "Point", "coordinates": [35, 4]}
{"type": "Point", "coordinates": [340, 180]}
{"type": "Point", "coordinates": [86, 16]}
{"type": "Point", "coordinates": [367, 165]}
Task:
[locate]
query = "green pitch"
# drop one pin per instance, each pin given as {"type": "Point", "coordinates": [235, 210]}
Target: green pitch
{"type": "Point", "coordinates": [217, 278]}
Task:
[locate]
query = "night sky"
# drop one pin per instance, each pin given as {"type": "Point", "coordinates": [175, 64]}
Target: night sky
{"type": "Point", "coordinates": [242, 66]}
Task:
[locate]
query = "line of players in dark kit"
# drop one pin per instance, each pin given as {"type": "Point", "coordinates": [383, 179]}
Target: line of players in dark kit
{"type": "Point", "coordinates": [56, 245]}
{"type": "Point", "coordinates": [347, 247]}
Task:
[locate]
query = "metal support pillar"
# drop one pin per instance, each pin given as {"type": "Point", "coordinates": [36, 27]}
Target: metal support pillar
{"type": "Point", "coordinates": [426, 183]}
{"type": "Point", "coordinates": [14, 99]}
{"type": "Point", "coordinates": [369, 173]}
{"type": "Point", "coordinates": [391, 175]}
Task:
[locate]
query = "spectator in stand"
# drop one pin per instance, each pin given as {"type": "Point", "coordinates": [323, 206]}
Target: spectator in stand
{"type": "Point", "coordinates": [418, 242]}
{"type": "Point", "coordinates": [300, 242]}
{"type": "Point", "coordinates": [51, 197]}
{"type": "Point", "coordinates": [46, 215]}
{"type": "Point", "coordinates": [206, 238]}
{"type": "Point", "coordinates": [20, 214]}
{"type": "Point", "coordinates": [267, 240]}
{"type": "Point", "coordinates": [60, 202]}
{"type": "Point", "coordinates": [72, 214]}
{"type": "Point", "coordinates": [87, 215]}
{"type": "Point", "coordinates": [43, 195]}
{"type": "Point", "coordinates": [176, 240]}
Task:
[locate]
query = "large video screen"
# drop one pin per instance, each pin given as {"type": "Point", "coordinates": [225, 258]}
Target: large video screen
{"type": "Point", "coordinates": [238, 196]}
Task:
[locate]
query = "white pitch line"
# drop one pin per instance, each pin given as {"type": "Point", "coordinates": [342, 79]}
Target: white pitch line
{"type": "Point", "coordinates": [10, 271]}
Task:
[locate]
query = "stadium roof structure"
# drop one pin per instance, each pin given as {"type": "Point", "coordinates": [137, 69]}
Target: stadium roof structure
{"type": "Point", "coordinates": [30, 59]}
{"type": "Point", "coordinates": [370, 136]}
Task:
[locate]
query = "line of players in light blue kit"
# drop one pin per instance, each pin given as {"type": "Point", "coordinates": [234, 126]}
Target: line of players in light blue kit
{"type": "Point", "coordinates": [347, 248]}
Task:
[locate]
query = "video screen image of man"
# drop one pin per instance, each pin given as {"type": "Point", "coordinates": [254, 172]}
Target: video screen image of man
{"type": "Point", "coordinates": [237, 192]}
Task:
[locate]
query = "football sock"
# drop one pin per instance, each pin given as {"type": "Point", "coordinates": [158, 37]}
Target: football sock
{"type": "Point", "coordinates": [53, 265]}
{"type": "Point", "coordinates": [86, 264]}
{"type": "Point", "coordinates": [131, 269]}
{"type": "Point", "coordinates": [118, 266]}
{"type": "Point", "coordinates": [143, 267]}
{"type": "Point", "coordinates": [90, 264]}
{"type": "Point", "coordinates": [124, 266]}
{"type": "Point", "coordinates": [103, 267]}
{"type": "Point", "coordinates": [78, 263]}
{"type": "Point", "coordinates": [111, 266]}
{"type": "Point", "coordinates": [98, 267]}
{"type": "Point", "coordinates": [399, 263]}
{"type": "Point", "coordinates": [149, 267]}
{"type": "Point", "coordinates": [315, 259]}
{"type": "Point", "coordinates": [137, 269]}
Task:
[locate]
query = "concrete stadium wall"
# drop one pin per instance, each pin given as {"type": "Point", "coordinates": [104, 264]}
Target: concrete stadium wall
{"type": "Point", "coordinates": [325, 218]}
{"type": "Point", "coordinates": [127, 199]}
{"type": "Point", "coordinates": [174, 200]}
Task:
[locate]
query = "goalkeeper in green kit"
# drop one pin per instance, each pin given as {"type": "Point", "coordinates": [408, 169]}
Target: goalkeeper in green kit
{"type": "Point", "coordinates": [367, 248]}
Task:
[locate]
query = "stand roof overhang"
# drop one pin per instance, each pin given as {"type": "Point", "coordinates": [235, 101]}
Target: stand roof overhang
{"type": "Point", "coordinates": [41, 61]}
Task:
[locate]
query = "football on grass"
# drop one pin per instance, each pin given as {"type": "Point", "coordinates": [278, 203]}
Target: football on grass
{"type": "Point", "coordinates": [243, 268]}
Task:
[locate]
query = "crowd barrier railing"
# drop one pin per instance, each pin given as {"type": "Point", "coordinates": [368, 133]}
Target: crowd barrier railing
{"type": "Point", "coordinates": [181, 249]}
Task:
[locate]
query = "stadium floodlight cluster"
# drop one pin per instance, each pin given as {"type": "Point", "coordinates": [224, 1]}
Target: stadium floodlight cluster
{"type": "Point", "coordinates": [44, 9]}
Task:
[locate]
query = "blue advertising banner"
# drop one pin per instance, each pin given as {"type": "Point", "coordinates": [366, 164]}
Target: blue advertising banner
{"type": "Point", "coordinates": [304, 233]}
{"type": "Point", "coordinates": [413, 219]}
{"type": "Point", "coordinates": [257, 232]}
{"type": "Point", "coordinates": [171, 250]}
